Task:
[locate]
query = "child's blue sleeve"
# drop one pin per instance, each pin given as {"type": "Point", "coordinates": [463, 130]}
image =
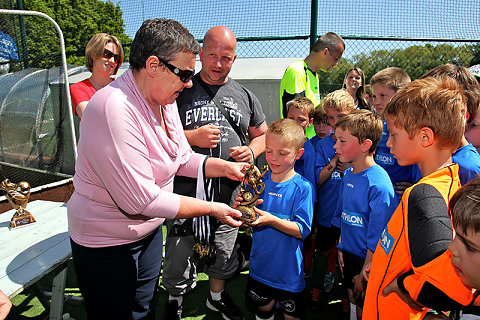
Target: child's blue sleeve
{"type": "Point", "coordinates": [303, 209]}
{"type": "Point", "coordinates": [337, 216]}
{"type": "Point", "coordinates": [382, 203]}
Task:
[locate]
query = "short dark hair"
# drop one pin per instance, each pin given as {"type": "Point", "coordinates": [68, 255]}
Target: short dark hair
{"type": "Point", "coordinates": [160, 37]}
{"type": "Point", "coordinates": [464, 207]}
{"type": "Point", "coordinates": [329, 40]}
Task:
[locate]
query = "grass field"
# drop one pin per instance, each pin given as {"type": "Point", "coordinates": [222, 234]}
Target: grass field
{"type": "Point", "coordinates": [27, 305]}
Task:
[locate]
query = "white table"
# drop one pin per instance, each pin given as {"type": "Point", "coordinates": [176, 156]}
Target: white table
{"type": "Point", "coordinates": [29, 252]}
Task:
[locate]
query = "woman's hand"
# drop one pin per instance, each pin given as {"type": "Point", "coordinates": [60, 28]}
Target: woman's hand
{"type": "Point", "coordinates": [5, 305]}
{"type": "Point", "coordinates": [236, 170]}
{"type": "Point", "coordinates": [225, 214]}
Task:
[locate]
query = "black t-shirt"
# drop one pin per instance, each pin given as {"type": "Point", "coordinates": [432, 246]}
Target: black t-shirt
{"type": "Point", "coordinates": [196, 109]}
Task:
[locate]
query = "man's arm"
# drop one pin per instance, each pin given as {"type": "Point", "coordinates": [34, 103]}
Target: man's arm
{"type": "Point", "coordinates": [206, 136]}
{"type": "Point", "coordinates": [257, 144]}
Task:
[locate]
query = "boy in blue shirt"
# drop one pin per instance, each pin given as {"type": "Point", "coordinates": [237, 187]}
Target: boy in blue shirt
{"type": "Point", "coordinates": [284, 220]}
{"type": "Point", "coordinates": [367, 199]}
{"type": "Point", "coordinates": [302, 111]}
{"type": "Point", "coordinates": [385, 84]}
{"type": "Point", "coordinates": [328, 171]}
{"type": "Point", "coordinates": [320, 123]}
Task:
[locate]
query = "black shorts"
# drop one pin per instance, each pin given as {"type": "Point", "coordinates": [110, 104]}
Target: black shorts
{"type": "Point", "coordinates": [352, 265]}
{"type": "Point", "coordinates": [259, 295]}
{"type": "Point", "coordinates": [326, 238]}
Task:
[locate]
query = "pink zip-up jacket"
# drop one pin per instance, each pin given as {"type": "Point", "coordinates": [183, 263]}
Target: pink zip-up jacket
{"type": "Point", "coordinates": [125, 167]}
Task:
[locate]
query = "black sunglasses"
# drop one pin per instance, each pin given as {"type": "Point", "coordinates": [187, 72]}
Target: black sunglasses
{"type": "Point", "coordinates": [184, 75]}
{"type": "Point", "coordinates": [109, 54]}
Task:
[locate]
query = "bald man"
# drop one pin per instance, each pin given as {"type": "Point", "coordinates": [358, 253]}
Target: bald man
{"type": "Point", "coordinates": [209, 132]}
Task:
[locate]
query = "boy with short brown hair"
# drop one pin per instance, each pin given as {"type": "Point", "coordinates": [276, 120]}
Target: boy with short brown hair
{"type": "Point", "coordinates": [320, 123]}
{"type": "Point", "coordinates": [426, 120]}
{"type": "Point", "coordinates": [301, 110]}
{"type": "Point", "coordinates": [385, 84]}
{"type": "Point", "coordinates": [366, 202]}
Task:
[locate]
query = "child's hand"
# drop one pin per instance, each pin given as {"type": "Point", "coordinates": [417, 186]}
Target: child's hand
{"type": "Point", "coordinates": [366, 271]}
{"type": "Point", "coordinates": [340, 260]}
{"type": "Point", "coordinates": [401, 186]}
{"type": "Point", "coordinates": [393, 287]}
{"type": "Point", "coordinates": [264, 218]}
{"type": "Point", "coordinates": [342, 166]}
{"type": "Point", "coordinates": [333, 163]}
{"type": "Point", "coordinates": [359, 287]}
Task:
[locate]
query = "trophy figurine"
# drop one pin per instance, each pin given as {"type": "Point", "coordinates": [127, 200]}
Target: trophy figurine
{"type": "Point", "coordinates": [18, 195]}
{"type": "Point", "coordinates": [250, 193]}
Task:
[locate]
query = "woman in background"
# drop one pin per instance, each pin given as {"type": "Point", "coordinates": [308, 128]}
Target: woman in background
{"type": "Point", "coordinates": [103, 56]}
{"type": "Point", "coordinates": [354, 83]}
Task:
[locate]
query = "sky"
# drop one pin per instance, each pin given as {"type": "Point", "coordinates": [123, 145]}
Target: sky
{"type": "Point", "coordinates": [459, 19]}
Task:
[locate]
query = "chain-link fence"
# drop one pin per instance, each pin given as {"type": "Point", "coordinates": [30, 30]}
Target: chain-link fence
{"type": "Point", "coordinates": [36, 142]}
{"type": "Point", "coordinates": [413, 35]}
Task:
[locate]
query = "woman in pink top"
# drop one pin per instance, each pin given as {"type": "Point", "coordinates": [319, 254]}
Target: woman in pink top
{"type": "Point", "coordinates": [131, 146]}
{"type": "Point", "coordinates": [103, 56]}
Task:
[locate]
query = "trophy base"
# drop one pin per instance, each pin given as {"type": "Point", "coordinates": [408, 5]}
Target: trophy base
{"type": "Point", "coordinates": [19, 220]}
{"type": "Point", "coordinates": [248, 214]}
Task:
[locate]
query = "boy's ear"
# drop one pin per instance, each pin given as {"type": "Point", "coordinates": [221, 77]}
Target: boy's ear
{"type": "Point", "coordinates": [365, 145]}
{"type": "Point", "coordinates": [299, 153]}
{"type": "Point", "coordinates": [426, 137]}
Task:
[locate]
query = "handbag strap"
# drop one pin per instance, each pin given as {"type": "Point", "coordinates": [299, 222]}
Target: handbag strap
{"type": "Point", "coordinates": [227, 116]}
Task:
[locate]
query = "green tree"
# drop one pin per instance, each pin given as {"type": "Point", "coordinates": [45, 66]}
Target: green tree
{"type": "Point", "coordinates": [79, 21]}
{"type": "Point", "coordinates": [415, 60]}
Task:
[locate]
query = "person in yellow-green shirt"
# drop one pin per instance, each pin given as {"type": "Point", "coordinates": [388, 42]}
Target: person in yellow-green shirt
{"type": "Point", "coordinates": [301, 79]}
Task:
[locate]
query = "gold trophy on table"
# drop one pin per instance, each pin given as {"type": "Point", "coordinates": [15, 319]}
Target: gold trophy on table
{"type": "Point", "coordinates": [18, 195]}
{"type": "Point", "coordinates": [250, 193]}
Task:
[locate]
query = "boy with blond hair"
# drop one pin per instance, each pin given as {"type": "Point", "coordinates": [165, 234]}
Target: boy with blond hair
{"type": "Point", "coordinates": [328, 171]}
{"type": "Point", "coordinates": [284, 220]}
{"type": "Point", "coordinates": [385, 84]}
{"type": "Point", "coordinates": [366, 202]}
{"type": "Point", "coordinates": [411, 270]}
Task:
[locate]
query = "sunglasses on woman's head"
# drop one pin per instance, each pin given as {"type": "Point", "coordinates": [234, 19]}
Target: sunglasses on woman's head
{"type": "Point", "coordinates": [184, 75]}
{"type": "Point", "coordinates": [109, 54]}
